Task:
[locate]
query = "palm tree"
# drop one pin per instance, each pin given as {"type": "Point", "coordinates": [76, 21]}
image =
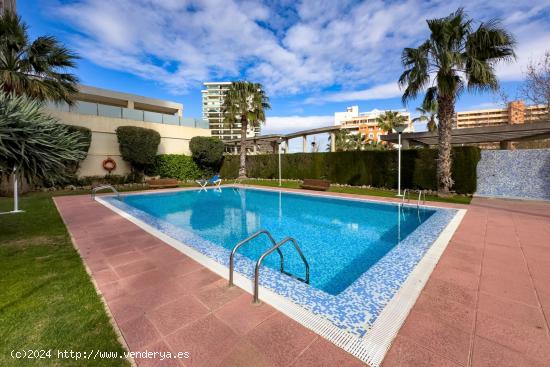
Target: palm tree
{"type": "Point", "coordinates": [454, 58]}
{"type": "Point", "coordinates": [428, 113]}
{"type": "Point", "coordinates": [389, 120]}
{"type": "Point", "coordinates": [38, 69]}
{"type": "Point", "coordinates": [244, 105]}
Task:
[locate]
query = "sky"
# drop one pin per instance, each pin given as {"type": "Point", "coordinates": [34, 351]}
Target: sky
{"type": "Point", "coordinates": [313, 58]}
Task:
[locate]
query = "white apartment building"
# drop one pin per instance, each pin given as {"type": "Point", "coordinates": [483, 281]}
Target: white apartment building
{"type": "Point", "coordinates": [366, 121]}
{"type": "Point", "coordinates": [212, 102]}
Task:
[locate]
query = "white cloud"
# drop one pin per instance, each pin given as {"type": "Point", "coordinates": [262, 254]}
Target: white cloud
{"type": "Point", "coordinates": [287, 124]}
{"type": "Point", "coordinates": [304, 47]}
{"type": "Point", "coordinates": [382, 91]}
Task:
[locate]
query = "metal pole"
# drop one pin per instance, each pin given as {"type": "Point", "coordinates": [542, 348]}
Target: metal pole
{"type": "Point", "coordinates": [399, 168]}
{"type": "Point", "coordinates": [15, 192]}
{"type": "Point", "coordinates": [280, 165]}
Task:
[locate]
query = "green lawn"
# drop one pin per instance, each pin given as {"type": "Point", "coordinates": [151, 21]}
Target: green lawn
{"type": "Point", "coordinates": [458, 199]}
{"type": "Point", "coordinates": [47, 301]}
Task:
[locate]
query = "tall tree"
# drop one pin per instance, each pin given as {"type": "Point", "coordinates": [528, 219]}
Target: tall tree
{"type": "Point", "coordinates": [428, 113]}
{"type": "Point", "coordinates": [244, 106]}
{"type": "Point", "coordinates": [536, 87]}
{"type": "Point", "coordinates": [389, 120]}
{"type": "Point", "coordinates": [38, 69]}
{"type": "Point", "coordinates": [457, 56]}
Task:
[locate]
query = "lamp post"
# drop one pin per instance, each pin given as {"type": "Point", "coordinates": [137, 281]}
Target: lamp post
{"type": "Point", "coordinates": [15, 193]}
{"type": "Point", "coordinates": [279, 141]}
{"type": "Point", "coordinates": [399, 129]}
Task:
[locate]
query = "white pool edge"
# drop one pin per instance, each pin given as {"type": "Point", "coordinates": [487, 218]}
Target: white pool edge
{"type": "Point", "coordinates": [371, 348]}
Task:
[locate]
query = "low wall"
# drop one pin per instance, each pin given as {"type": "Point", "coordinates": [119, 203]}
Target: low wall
{"type": "Point", "coordinates": [174, 139]}
{"type": "Point", "coordinates": [523, 174]}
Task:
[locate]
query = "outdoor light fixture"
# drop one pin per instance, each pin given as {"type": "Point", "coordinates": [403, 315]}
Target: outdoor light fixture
{"type": "Point", "coordinates": [279, 141]}
{"type": "Point", "coordinates": [399, 129]}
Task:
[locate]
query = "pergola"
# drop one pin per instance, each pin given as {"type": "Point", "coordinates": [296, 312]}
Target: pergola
{"type": "Point", "coordinates": [273, 140]}
{"type": "Point", "coordinates": [503, 134]}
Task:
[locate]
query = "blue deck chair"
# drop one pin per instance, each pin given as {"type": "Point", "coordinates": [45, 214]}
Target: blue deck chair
{"type": "Point", "coordinates": [215, 180]}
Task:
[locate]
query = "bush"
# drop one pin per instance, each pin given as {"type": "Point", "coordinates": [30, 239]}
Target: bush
{"type": "Point", "coordinates": [138, 146]}
{"type": "Point", "coordinates": [207, 153]}
{"type": "Point", "coordinates": [177, 166]}
{"type": "Point", "coordinates": [86, 140]}
{"type": "Point", "coordinates": [372, 168]}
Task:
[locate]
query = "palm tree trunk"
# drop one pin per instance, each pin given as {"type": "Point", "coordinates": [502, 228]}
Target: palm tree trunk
{"type": "Point", "coordinates": [446, 112]}
{"type": "Point", "coordinates": [242, 167]}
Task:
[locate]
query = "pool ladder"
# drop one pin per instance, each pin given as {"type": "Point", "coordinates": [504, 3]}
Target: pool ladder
{"type": "Point", "coordinates": [104, 187]}
{"type": "Point", "coordinates": [276, 247]}
{"type": "Point", "coordinates": [421, 197]}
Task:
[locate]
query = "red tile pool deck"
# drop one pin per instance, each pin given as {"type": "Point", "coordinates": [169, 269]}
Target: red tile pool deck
{"type": "Point", "coordinates": [487, 303]}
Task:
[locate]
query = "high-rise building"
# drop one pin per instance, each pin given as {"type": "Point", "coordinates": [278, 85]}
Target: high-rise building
{"type": "Point", "coordinates": [366, 121]}
{"type": "Point", "coordinates": [212, 103]}
{"type": "Point", "coordinates": [515, 112]}
{"type": "Point", "coordinates": [7, 5]}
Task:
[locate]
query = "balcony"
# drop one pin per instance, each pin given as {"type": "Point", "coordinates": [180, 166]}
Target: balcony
{"type": "Point", "coordinates": [98, 109]}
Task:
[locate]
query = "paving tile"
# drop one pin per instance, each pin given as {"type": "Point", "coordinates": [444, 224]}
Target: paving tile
{"type": "Point", "coordinates": [123, 310]}
{"type": "Point", "coordinates": [242, 315]}
{"type": "Point", "coordinates": [532, 341]}
{"type": "Point", "coordinates": [194, 281]}
{"type": "Point", "coordinates": [177, 314]}
{"type": "Point", "coordinates": [160, 351]}
{"type": "Point", "coordinates": [490, 354]}
{"type": "Point", "coordinates": [208, 341]}
{"type": "Point", "coordinates": [450, 312]}
{"type": "Point", "coordinates": [458, 277]}
{"type": "Point", "coordinates": [512, 287]}
{"type": "Point", "coordinates": [139, 282]}
{"type": "Point", "coordinates": [451, 291]}
{"type": "Point", "coordinates": [105, 276]}
{"type": "Point", "coordinates": [510, 310]}
{"type": "Point", "coordinates": [325, 354]}
{"type": "Point", "coordinates": [437, 336]}
{"type": "Point", "coordinates": [245, 355]}
{"type": "Point", "coordinates": [181, 267]}
{"type": "Point", "coordinates": [112, 290]}
{"type": "Point", "coordinates": [280, 339]}
{"type": "Point", "coordinates": [217, 294]}
{"type": "Point", "coordinates": [133, 268]}
{"type": "Point", "coordinates": [405, 353]}
{"type": "Point", "coordinates": [139, 333]}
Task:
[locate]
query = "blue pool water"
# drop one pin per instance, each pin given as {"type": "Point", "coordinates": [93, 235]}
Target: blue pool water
{"type": "Point", "coordinates": [341, 239]}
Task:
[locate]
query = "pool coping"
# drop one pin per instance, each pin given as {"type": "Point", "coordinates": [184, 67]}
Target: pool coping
{"type": "Point", "coordinates": [370, 348]}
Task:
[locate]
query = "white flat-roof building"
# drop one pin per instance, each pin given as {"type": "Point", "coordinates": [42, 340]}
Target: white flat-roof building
{"type": "Point", "coordinates": [104, 110]}
{"type": "Point", "coordinates": [212, 102]}
{"type": "Point", "coordinates": [366, 121]}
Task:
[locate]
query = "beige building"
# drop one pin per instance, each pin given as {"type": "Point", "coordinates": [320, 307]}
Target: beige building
{"type": "Point", "coordinates": [212, 102]}
{"type": "Point", "coordinates": [516, 112]}
{"type": "Point", "coordinates": [103, 111]}
{"type": "Point", "coordinates": [366, 121]}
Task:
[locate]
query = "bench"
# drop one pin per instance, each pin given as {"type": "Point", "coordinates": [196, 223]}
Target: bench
{"type": "Point", "coordinates": [163, 183]}
{"type": "Point", "coordinates": [313, 184]}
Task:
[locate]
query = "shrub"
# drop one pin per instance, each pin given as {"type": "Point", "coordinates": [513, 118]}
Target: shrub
{"type": "Point", "coordinates": [34, 141]}
{"type": "Point", "coordinates": [85, 137]}
{"type": "Point", "coordinates": [138, 146]}
{"type": "Point", "coordinates": [373, 168]}
{"type": "Point", "coordinates": [207, 152]}
{"type": "Point", "coordinates": [177, 166]}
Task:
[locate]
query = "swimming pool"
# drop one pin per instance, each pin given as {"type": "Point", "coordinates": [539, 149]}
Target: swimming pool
{"type": "Point", "coordinates": [360, 252]}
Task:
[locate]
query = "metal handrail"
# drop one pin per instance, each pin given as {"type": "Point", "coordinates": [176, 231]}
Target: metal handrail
{"type": "Point", "coordinates": [405, 196]}
{"type": "Point", "coordinates": [250, 238]}
{"type": "Point", "coordinates": [104, 187]}
{"type": "Point", "coordinates": [265, 254]}
{"type": "Point", "coordinates": [420, 194]}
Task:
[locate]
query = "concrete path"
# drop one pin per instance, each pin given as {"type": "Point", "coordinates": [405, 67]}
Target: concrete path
{"type": "Point", "coordinates": [486, 304]}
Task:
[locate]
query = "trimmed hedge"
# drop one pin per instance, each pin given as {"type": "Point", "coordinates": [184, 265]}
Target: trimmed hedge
{"type": "Point", "coordinates": [207, 152]}
{"type": "Point", "coordinates": [138, 145]}
{"type": "Point", "coordinates": [373, 168]}
{"type": "Point", "coordinates": [177, 166]}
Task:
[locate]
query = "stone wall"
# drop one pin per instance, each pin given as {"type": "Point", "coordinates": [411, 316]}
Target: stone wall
{"type": "Point", "coordinates": [523, 174]}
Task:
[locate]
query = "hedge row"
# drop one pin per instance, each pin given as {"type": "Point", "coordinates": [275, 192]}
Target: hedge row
{"type": "Point", "coordinates": [177, 166]}
{"type": "Point", "coordinates": [373, 168]}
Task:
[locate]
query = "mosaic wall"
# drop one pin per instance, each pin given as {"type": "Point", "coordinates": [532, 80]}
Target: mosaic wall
{"type": "Point", "coordinates": [514, 173]}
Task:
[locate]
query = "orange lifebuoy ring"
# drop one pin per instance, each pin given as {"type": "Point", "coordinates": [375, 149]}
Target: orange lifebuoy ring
{"type": "Point", "coordinates": [109, 164]}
